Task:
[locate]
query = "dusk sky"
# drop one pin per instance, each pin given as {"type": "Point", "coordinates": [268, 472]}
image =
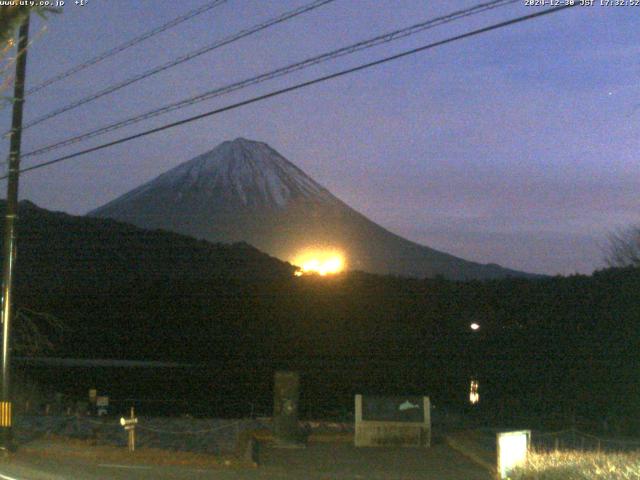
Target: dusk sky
{"type": "Point", "coordinates": [518, 147]}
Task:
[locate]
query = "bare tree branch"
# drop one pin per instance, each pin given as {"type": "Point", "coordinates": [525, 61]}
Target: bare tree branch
{"type": "Point", "coordinates": [30, 336]}
{"type": "Point", "coordinates": [624, 248]}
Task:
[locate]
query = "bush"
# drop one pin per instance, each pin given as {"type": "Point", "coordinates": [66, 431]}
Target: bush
{"type": "Point", "coordinates": [573, 465]}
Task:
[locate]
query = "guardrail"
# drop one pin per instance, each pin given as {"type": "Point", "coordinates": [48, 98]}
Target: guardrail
{"type": "Point", "coordinates": [574, 439]}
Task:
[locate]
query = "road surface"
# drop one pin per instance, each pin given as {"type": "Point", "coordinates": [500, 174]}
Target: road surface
{"type": "Point", "coordinates": [317, 462]}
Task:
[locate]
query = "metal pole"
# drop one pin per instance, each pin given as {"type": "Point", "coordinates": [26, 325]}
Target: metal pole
{"type": "Point", "coordinates": [8, 258]}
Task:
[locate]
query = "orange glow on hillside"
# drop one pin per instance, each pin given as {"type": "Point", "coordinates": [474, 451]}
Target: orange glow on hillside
{"type": "Point", "coordinates": [322, 262]}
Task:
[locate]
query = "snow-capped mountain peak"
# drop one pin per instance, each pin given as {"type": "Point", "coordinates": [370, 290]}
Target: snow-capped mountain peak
{"type": "Point", "coordinates": [242, 172]}
{"type": "Point", "coordinates": [245, 191]}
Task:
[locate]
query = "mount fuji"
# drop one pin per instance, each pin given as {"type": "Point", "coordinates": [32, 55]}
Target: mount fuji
{"type": "Point", "coordinates": [245, 191]}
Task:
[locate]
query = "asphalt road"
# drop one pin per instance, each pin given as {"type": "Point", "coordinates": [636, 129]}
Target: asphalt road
{"type": "Point", "coordinates": [317, 462]}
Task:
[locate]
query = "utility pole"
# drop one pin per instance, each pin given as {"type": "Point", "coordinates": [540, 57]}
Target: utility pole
{"type": "Point", "coordinates": [9, 247]}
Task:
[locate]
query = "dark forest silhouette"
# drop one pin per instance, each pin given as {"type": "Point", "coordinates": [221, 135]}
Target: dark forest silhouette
{"type": "Point", "coordinates": [556, 346]}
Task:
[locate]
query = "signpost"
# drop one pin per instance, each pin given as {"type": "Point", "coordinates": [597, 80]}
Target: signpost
{"type": "Point", "coordinates": [129, 425]}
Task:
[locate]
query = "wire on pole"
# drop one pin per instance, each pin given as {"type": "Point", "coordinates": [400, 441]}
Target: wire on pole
{"type": "Point", "coordinates": [315, 60]}
{"type": "Point", "coordinates": [300, 86]}
{"type": "Point", "coordinates": [9, 245]}
{"type": "Point", "coordinates": [124, 46]}
{"type": "Point", "coordinates": [182, 59]}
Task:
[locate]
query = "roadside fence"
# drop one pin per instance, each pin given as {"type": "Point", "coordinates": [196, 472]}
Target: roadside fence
{"type": "Point", "coordinates": [574, 439]}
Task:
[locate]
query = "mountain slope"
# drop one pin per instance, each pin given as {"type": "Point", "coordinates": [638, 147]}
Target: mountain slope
{"type": "Point", "coordinates": [246, 191]}
{"type": "Point", "coordinates": [124, 292]}
{"type": "Point", "coordinates": [127, 293]}
{"type": "Point", "coordinates": [57, 250]}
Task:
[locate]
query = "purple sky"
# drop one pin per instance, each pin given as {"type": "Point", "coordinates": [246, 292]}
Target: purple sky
{"type": "Point", "coordinates": [517, 147]}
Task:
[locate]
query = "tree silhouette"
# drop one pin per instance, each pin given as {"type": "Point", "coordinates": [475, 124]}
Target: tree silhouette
{"type": "Point", "coordinates": [624, 248]}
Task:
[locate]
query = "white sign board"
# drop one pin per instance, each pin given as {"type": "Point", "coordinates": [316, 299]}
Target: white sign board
{"type": "Point", "coordinates": [392, 421]}
{"type": "Point", "coordinates": [513, 448]}
{"type": "Point", "coordinates": [102, 405]}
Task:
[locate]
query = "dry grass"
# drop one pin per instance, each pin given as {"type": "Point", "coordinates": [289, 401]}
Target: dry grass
{"type": "Point", "coordinates": [57, 446]}
{"type": "Point", "coordinates": [575, 465]}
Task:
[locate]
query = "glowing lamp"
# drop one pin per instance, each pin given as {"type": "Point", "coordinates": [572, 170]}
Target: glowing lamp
{"type": "Point", "coordinates": [474, 326]}
{"type": "Point", "coordinates": [474, 396]}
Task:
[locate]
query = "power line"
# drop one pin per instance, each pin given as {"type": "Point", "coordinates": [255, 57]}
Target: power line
{"type": "Point", "coordinates": [362, 45]}
{"type": "Point", "coordinates": [300, 85]}
{"type": "Point", "coordinates": [134, 41]}
{"type": "Point", "coordinates": [184, 58]}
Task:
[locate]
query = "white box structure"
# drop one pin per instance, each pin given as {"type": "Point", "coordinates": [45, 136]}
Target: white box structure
{"type": "Point", "coordinates": [513, 448]}
{"type": "Point", "coordinates": [392, 421]}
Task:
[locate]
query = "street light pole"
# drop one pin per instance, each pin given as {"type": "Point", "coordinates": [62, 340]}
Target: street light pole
{"type": "Point", "coordinates": [8, 259]}
{"type": "Point", "coordinates": [474, 396]}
